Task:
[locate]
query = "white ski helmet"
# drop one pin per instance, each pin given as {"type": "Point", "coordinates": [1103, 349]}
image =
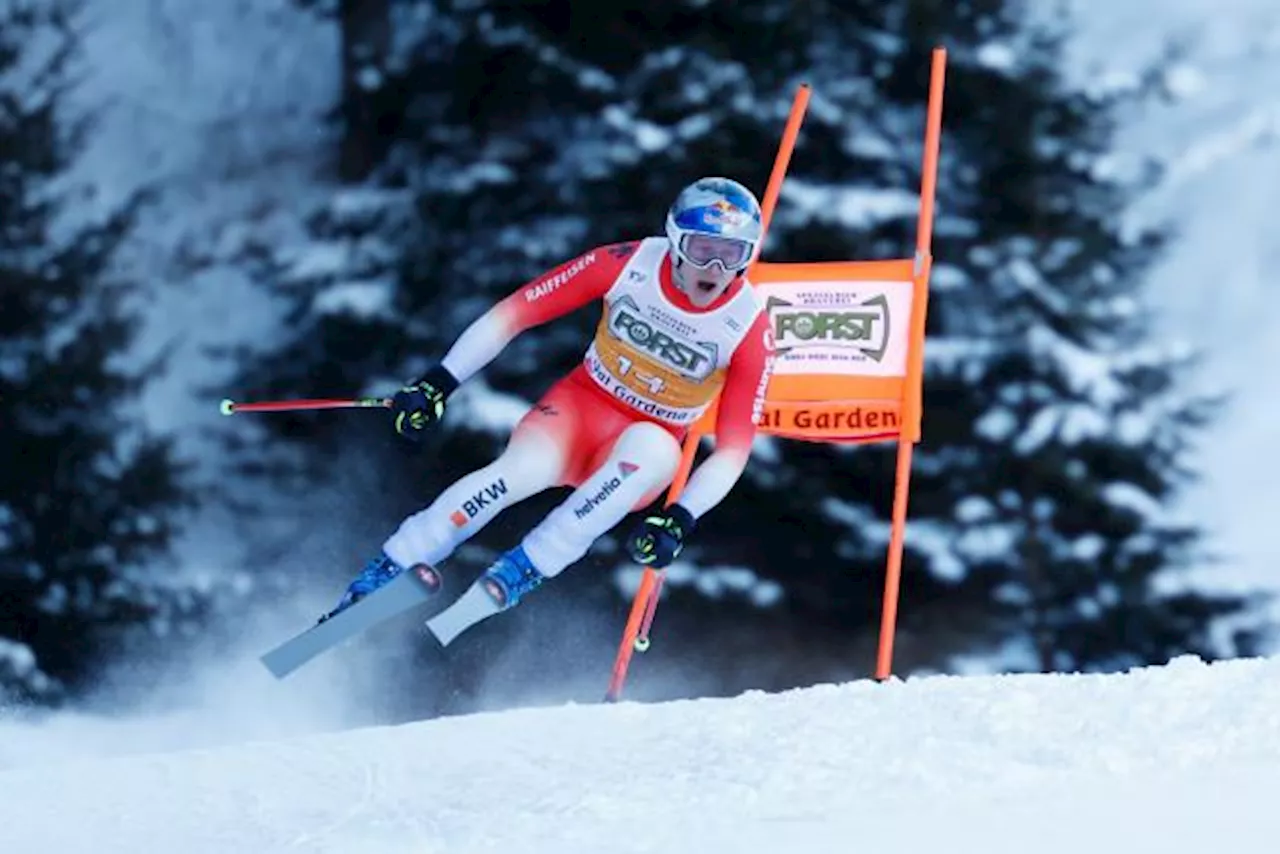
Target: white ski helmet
{"type": "Point", "coordinates": [714, 226]}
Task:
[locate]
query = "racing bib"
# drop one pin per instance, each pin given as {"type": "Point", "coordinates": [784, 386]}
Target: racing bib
{"type": "Point", "coordinates": [656, 357]}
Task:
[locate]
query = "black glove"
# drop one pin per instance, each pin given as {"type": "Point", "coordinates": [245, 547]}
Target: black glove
{"type": "Point", "coordinates": [421, 404]}
{"type": "Point", "coordinates": [659, 537]}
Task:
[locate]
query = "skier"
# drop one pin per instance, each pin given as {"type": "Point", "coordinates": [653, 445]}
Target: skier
{"type": "Point", "coordinates": [680, 324]}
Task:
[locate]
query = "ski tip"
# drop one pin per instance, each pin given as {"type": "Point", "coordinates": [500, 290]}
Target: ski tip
{"type": "Point", "coordinates": [287, 658]}
{"type": "Point", "coordinates": [276, 668]}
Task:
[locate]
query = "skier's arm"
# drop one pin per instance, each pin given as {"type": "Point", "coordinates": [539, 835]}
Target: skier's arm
{"type": "Point", "coordinates": [740, 400]}
{"type": "Point", "coordinates": [555, 293]}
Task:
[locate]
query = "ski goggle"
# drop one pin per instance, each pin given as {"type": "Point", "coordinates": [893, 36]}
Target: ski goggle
{"type": "Point", "coordinates": [703, 250]}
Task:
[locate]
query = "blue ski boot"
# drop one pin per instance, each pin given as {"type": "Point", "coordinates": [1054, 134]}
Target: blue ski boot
{"type": "Point", "coordinates": [511, 577]}
{"type": "Point", "coordinates": [501, 586]}
{"type": "Point", "coordinates": [376, 573]}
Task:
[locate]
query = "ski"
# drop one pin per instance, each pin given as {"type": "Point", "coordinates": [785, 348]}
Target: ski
{"type": "Point", "coordinates": [472, 607]}
{"type": "Point", "coordinates": [407, 590]}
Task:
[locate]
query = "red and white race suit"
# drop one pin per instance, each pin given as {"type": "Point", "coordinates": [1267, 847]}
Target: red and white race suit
{"type": "Point", "coordinates": [611, 428]}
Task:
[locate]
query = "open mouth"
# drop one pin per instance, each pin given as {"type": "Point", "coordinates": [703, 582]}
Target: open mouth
{"type": "Point", "coordinates": [707, 287]}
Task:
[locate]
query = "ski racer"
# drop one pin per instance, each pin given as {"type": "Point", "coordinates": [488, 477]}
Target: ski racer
{"type": "Point", "coordinates": [680, 324]}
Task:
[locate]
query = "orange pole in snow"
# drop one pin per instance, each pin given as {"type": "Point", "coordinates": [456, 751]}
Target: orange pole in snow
{"type": "Point", "coordinates": [642, 609]}
{"type": "Point", "coordinates": [912, 405]}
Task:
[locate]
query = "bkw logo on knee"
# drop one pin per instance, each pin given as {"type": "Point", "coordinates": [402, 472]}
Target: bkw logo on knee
{"type": "Point", "coordinates": [478, 502]}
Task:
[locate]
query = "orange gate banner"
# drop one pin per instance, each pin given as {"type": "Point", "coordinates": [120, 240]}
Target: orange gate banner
{"type": "Point", "coordinates": [842, 335]}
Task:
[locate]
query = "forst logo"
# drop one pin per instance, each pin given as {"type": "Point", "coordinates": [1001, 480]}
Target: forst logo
{"type": "Point", "coordinates": [694, 360]}
{"type": "Point", "coordinates": [864, 327]}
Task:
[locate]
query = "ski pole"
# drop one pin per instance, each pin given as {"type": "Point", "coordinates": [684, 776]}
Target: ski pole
{"type": "Point", "coordinates": [627, 647]}
{"type": "Point", "coordinates": [642, 639]}
{"type": "Point", "coordinates": [230, 407]}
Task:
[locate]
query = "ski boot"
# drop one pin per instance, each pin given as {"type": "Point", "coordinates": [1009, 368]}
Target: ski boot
{"type": "Point", "coordinates": [510, 577]}
{"type": "Point", "coordinates": [375, 574]}
{"type": "Point", "coordinates": [502, 585]}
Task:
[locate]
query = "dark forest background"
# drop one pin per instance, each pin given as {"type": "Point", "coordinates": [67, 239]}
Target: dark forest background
{"type": "Point", "coordinates": [479, 143]}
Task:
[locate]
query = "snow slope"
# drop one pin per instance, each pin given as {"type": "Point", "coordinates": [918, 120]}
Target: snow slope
{"type": "Point", "coordinates": [1217, 139]}
{"type": "Point", "coordinates": [1183, 758]}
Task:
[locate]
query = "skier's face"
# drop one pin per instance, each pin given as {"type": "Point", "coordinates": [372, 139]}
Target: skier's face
{"type": "Point", "coordinates": [701, 286]}
{"type": "Point", "coordinates": [708, 264]}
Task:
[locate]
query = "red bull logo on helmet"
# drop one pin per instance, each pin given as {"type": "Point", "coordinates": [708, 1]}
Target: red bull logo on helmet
{"type": "Point", "coordinates": [724, 212]}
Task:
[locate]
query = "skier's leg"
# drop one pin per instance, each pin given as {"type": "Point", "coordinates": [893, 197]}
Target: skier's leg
{"type": "Point", "coordinates": [531, 462]}
{"type": "Point", "coordinates": [643, 460]}
{"type": "Point", "coordinates": [535, 459]}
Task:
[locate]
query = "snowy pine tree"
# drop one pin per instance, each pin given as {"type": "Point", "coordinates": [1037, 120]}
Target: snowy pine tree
{"type": "Point", "coordinates": [88, 502]}
{"type": "Point", "coordinates": [518, 134]}
{"type": "Point", "coordinates": [1070, 429]}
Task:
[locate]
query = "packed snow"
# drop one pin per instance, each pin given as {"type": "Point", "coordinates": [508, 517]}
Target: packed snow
{"type": "Point", "coordinates": [1181, 758]}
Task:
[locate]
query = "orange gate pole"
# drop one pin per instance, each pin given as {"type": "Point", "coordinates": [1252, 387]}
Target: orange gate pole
{"type": "Point", "coordinates": [645, 603]}
{"type": "Point", "coordinates": [912, 405]}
